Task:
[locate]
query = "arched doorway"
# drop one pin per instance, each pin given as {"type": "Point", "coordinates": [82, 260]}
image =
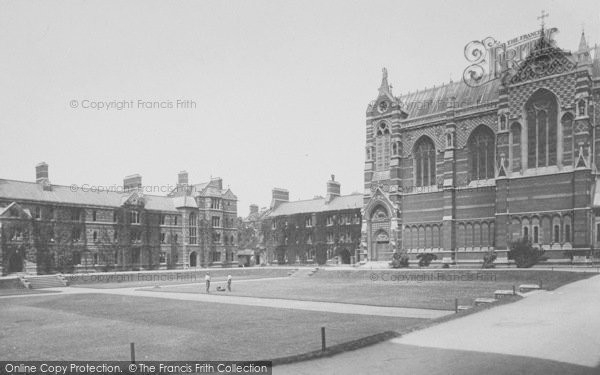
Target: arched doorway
{"type": "Point", "coordinates": [379, 226]}
{"type": "Point", "coordinates": [193, 259]}
{"type": "Point", "coordinates": [344, 255]}
{"type": "Point", "coordinates": [381, 245]}
{"type": "Point", "coordinates": [15, 261]}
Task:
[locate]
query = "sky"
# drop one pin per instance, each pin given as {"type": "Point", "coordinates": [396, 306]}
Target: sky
{"type": "Point", "coordinates": [276, 91]}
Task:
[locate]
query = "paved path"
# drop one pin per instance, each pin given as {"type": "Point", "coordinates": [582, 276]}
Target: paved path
{"type": "Point", "coordinates": [332, 307]}
{"type": "Point", "coordinates": [545, 333]}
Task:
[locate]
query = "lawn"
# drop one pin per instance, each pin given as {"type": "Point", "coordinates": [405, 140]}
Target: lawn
{"type": "Point", "coordinates": [175, 277]}
{"type": "Point", "coordinates": [100, 327]}
{"type": "Point", "coordinates": [22, 291]}
{"type": "Point", "coordinates": [431, 289]}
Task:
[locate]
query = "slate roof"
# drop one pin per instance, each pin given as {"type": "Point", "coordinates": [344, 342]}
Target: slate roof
{"type": "Point", "coordinates": [434, 100]}
{"type": "Point", "coordinates": [345, 202]}
{"type": "Point", "coordinates": [31, 191]}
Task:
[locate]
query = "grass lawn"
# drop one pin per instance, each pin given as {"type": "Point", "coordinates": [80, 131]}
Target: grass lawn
{"type": "Point", "coordinates": [21, 291]}
{"type": "Point", "coordinates": [131, 280]}
{"type": "Point", "coordinates": [436, 289]}
{"type": "Point", "coordinates": [100, 327]}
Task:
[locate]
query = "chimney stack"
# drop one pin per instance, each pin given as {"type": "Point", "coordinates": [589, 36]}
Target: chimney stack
{"type": "Point", "coordinates": [182, 178]}
{"type": "Point", "coordinates": [132, 182]}
{"type": "Point", "coordinates": [217, 183]}
{"type": "Point", "coordinates": [279, 196]}
{"type": "Point", "coordinates": [253, 209]}
{"type": "Point", "coordinates": [334, 189]}
{"type": "Point", "coordinates": [41, 173]}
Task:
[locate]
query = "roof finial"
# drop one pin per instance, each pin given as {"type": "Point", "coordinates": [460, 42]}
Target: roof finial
{"type": "Point", "coordinates": [542, 17]}
{"type": "Point", "coordinates": [384, 81]}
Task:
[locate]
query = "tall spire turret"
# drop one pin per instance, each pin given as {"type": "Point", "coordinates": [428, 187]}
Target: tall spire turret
{"type": "Point", "coordinates": [385, 86]}
{"type": "Point", "coordinates": [583, 52]}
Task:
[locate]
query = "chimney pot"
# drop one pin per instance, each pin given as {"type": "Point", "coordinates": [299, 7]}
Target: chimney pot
{"type": "Point", "coordinates": [333, 189]}
{"type": "Point", "coordinates": [182, 178]}
{"type": "Point", "coordinates": [132, 182]}
{"type": "Point", "coordinates": [41, 173]}
{"type": "Point", "coordinates": [279, 196]}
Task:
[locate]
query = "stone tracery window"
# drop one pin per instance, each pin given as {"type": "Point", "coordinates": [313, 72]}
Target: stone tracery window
{"type": "Point", "coordinates": [481, 153]}
{"type": "Point", "coordinates": [542, 140]}
{"type": "Point", "coordinates": [424, 162]}
{"type": "Point", "coordinates": [382, 147]}
{"type": "Point", "coordinates": [515, 146]}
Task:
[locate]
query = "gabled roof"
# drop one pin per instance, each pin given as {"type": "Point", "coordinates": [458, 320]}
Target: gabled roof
{"type": "Point", "coordinates": [228, 194]}
{"type": "Point", "coordinates": [345, 202]}
{"type": "Point", "coordinates": [24, 213]}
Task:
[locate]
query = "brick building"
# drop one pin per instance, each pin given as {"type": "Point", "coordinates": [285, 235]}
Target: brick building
{"type": "Point", "coordinates": [251, 230]}
{"type": "Point", "coordinates": [313, 230]}
{"type": "Point", "coordinates": [45, 228]}
{"type": "Point", "coordinates": [459, 169]}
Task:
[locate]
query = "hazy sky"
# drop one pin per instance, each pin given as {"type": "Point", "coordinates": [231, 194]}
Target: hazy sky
{"type": "Point", "coordinates": [281, 87]}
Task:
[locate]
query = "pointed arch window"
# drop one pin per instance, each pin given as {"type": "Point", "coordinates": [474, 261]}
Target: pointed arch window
{"type": "Point", "coordinates": [515, 146]}
{"type": "Point", "coordinates": [503, 121]}
{"type": "Point", "coordinates": [481, 153]}
{"type": "Point", "coordinates": [542, 140]}
{"type": "Point", "coordinates": [567, 135]}
{"type": "Point", "coordinates": [382, 147]}
{"type": "Point", "coordinates": [581, 108]}
{"type": "Point", "coordinates": [425, 162]}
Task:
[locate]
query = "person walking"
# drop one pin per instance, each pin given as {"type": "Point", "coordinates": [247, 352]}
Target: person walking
{"type": "Point", "coordinates": [207, 279]}
{"type": "Point", "coordinates": [229, 278]}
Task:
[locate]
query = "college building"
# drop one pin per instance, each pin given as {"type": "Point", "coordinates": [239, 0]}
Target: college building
{"type": "Point", "coordinates": [465, 168]}
{"type": "Point", "coordinates": [47, 228]}
{"type": "Point", "coordinates": [314, 230]}
{"type": "Point", "coordinates": [462, 169]}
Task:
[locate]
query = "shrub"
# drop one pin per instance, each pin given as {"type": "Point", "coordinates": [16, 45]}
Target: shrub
{"type": "Point", "coordinates": [425, 259]}
{"type": "Point", "coordinates": [488, 260]}
{"type": "Point", "coordinates": [399, 261]}
{"type": "Point", "coordinates": [524, 254]}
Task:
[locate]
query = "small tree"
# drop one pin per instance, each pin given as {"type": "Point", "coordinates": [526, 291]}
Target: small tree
{"type": "Point", "coordinates": [399, 260]}
{"type": "Point", "coordinates": [425, 259]}
{"type": "Point", "coordinates": [523, 253]}
{"type": "Point", "coordinates": [488, 259]}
